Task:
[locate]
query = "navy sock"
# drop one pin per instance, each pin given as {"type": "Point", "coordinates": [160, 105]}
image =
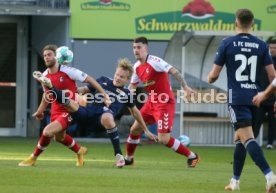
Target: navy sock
{"type": "Point", "coordinates": [257, 155]}
{"type": "Point", "coordinates": [239, 159]}
{"type": "Point", "coordinates": [60, 96]}
{"type": "Point", "coordinates": [115, 140]}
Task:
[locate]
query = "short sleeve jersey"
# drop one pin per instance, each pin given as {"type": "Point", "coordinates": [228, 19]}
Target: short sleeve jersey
{"type": "Point", "coordinates": [154, 76]}
{"type": "Point", "coordinates": [244, 56]}
{"type": "Point", "coordinates": [65, 79]}
{"type": "Point", "coordinates": [119, 96]}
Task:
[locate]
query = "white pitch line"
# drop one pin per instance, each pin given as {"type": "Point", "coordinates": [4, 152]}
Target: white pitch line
{"type": "Point", "coordinates": [13, 158]}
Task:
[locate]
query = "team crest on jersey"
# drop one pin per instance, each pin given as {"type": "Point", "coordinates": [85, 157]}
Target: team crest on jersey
{"type": "Point", "coordinates": [65, 114]}
{"type": "Point", "coordinates": [61, 79]}
{"type": "Point", "coordinates": [121, 92]}
{"type": "Point", "coordinates": [105, 108]}
{"type": "Point", "coordinates": [147, 71]}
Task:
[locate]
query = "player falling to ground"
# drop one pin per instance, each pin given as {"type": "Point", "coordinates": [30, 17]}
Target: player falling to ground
{"type": "Point", "coordinates": [243, 55]}
{"type": "Point", "coordinates": [153, 72]}
{"type": "Point", "coordinates": [96, 113]}
{"type": "Point", "coordinates": [64, 78]}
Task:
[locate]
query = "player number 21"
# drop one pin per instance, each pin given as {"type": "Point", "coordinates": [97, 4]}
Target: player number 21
{"type": "Point", "coordinates": [252, 61]}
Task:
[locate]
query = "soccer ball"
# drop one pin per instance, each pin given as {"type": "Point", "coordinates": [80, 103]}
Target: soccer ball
{"type": "Point", "coordinates": [185, 140]}
{"type": "Point", "coordinates": [64, 55]}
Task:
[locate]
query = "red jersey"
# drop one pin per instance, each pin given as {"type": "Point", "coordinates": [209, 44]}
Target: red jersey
{"type": "Point", "coordinates": [154, 76]}
{"type": "Point", "coordinates": [64, 79]}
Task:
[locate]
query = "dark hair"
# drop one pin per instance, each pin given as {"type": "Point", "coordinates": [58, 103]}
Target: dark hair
{"type": "Point", "coordinates": [142, 40]}
{"type": "Point", "coordinates": [271, 40]}
{"type": "Point", "coordinates": [245, 17]}
{"type": "Point", "coordinates": [51, 47]}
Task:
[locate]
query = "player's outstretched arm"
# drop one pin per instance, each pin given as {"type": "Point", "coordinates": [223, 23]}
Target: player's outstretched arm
{"type": "Point", "coordinates": [178, 76]}
{"type": "Point", "coordinates": [138, 117]}
{"type": "Point", "coordinates": [261, 96]}
{"type": "Point", "coordinates": [39, 114]}
{"type": "Point", "coordinates": [214, 73]}
{"type": "Point", "coordinates": [99, 88]}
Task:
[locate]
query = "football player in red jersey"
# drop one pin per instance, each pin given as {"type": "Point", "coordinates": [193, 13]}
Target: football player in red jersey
{"type": "Point", "coordinates": [153, 72]}
{"type": "Point", "coordinates": [63, 78]}
{"type": "Point", "coordinates": [95, 113]}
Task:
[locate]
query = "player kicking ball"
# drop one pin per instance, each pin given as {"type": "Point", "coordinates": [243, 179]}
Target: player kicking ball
{"type": "Point", "coordinates": [63, 77]}
{"type": "Point", "coordinates": [96, 113]}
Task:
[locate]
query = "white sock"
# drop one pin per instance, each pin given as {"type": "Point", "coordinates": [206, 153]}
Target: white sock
{"type": "Point", "coordinates": [128, 158]}
{"type": "Point", "coordinates": [234, 180]}
{"type": "Point", "coordinates": [268, 176]}
{"type": "Point", "coordinates": [192, 155]}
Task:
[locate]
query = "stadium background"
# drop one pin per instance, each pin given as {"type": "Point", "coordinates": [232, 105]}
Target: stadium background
{"type": "Point", "coordinates": [99, 32]}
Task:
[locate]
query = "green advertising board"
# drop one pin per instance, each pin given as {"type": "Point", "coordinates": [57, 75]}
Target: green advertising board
{"type": "Point", "coordinates": [159, 19]}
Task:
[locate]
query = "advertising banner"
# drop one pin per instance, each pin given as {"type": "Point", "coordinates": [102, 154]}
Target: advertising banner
{"type": "Point", "coordinates": [159, 19]}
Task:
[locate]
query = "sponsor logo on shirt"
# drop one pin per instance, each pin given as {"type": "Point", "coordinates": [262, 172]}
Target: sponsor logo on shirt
{"type": "Point", "coordinates": [148, 83]}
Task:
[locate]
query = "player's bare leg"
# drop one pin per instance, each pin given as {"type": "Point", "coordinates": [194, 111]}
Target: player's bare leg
{"type": "Point", "coordinates": [44, 141]}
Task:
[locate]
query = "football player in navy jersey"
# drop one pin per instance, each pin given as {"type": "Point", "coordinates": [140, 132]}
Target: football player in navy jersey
{"type": "Point", "coordinates": [244, 55]}
{"type": "Point", "coordinates": [97, 113]}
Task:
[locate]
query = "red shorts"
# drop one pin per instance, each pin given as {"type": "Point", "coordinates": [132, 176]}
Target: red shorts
{"type": "Point", "coordinates": [160, 113]}
{"type": "Point", "coordinates": [63, 118]}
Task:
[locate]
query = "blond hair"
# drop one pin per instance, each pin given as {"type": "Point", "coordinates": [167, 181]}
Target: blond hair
{"type": "Point", "coordinates": [126, 65]}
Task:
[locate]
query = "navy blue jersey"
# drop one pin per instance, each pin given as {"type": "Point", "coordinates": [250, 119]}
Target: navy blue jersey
{"type": "Point", "coordinates": [244, 56]}
{"type": "Point", "coordinates": [119, 96]}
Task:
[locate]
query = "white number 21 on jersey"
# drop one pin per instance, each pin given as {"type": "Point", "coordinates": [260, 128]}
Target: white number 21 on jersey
{"type": "Point", "coordinates": [252, 61]}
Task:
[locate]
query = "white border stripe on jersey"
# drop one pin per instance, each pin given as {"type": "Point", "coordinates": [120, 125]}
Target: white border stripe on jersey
{"type": "Point", "coordinates": [232, 115]}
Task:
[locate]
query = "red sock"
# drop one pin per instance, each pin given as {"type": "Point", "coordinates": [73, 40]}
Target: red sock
{"type": "Point", "coordinates": [132, 143]}
{"type": "Point", "coordinates": [42, 144]}
{"type": "Point", "coordinates": [178, 147]}
{"type": "Point", "coordinates": [70, 142]}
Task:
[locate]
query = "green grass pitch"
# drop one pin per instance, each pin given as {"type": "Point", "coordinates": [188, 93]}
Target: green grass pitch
{"type": "Point", "coordinates": [157, 170]}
